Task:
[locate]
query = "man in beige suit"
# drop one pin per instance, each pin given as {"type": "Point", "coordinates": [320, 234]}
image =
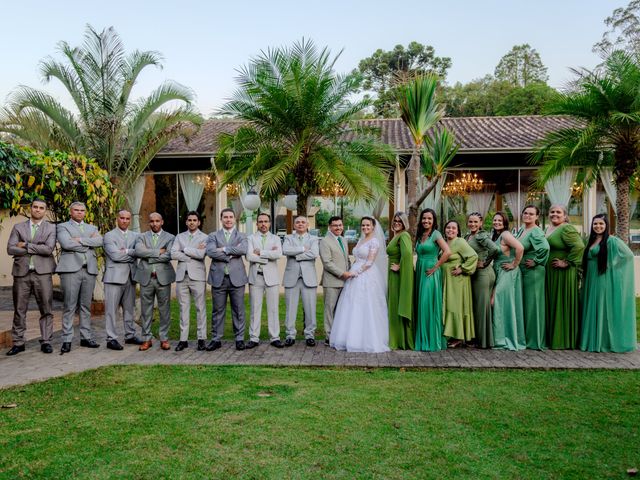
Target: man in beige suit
{"type": "Point", "coordinates": [263, 251]}
{"type": "Point", "coordinates": [334, 255]}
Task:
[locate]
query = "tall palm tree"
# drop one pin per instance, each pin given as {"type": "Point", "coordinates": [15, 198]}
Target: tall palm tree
{"type": "Point", "coordinates": [299, 129]}
{"type": "Point", "coordinates": [606, 103]}
{"type": "Point", "coordinates": [123, 135]}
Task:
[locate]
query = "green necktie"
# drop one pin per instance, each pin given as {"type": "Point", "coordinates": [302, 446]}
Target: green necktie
{"type": "Point", "coordinates": [190, 237]}
{"type": "Point", "coordinates": [84, 255]}
{"type": "Point", "coordinates": [264, 240]}
{"type": "Point", "coordinates": [227, 235]}
{"type": "Point", "coordinates": [154, 240]}
{"type": "Point", "coordinates": [81, 227]}
{"type": "Point", "coordinates": [34, 229]}
{"type": "Point", "coordinates": [341, 244]}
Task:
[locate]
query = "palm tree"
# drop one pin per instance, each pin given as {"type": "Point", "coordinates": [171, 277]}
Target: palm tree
{"type": "Point", "coordinates": [606, 103]}
{"type": "Point", "coordinates": [121, 134]}
{"type": "Point", "coordinates": [299, 129]}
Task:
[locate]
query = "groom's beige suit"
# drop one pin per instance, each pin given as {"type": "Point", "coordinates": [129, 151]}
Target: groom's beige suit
{"type": "Point", "coordinates": [335, 262]}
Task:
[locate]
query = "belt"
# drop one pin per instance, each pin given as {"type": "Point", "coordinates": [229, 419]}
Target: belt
{"type": "Point", "coordinates": [260, 273]}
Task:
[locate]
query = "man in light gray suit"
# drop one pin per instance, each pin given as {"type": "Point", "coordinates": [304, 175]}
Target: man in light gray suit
{"type": "Point", "coordinates": [155, 274]}
{"type": "Point", "coordinates": [334, 255]}
{"type": "Point", "coordinates": [191, 279]}
{"type": "Point", "coordinates": [264, 250]}
{"type": "Point", "coordinates": [227, 277]}
{"type": "Point", "coordinates": [78, 268]}
{"type": "Point", "coordinates": [300, 279]}
{"type": "Point", "coordinates": [31, 243]}
{"type": "Point", "coordinates": [119, 286]}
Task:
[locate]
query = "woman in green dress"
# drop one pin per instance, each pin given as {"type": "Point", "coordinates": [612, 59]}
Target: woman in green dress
{"type": "Point", "coordinates": [565, 255]}
{"type": "Point", "coordinates": [536, 253]}
{"type": "Point", "coordinates": [508, 321]}
{"type": "Point", "coordinates": [400, 296]}
{"type": "Point", "coordinates": [483, 280]}
{"type": "Point", "coordinates": [608, 302]}
{"type": "Point", "coordinates": [428, 283]}
{"type": "Point", "coordinates": [456, 273]}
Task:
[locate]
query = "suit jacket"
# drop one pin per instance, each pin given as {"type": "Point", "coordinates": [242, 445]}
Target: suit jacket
{"type": "Point", "coordinates": [39, 249]}
{"type": "Point", "coordinates": [150, 256]}
{"type": "Point", "coordinates": [230, 258]}
{"type": "Point", "coordinates": [190, 257]}
{"type": "Point", "coordinates": [73, 254]}
{"type": "Point", "coordinates": [120, 265]}
{"type": "Point", "coordinates": [335, 261]}
{"type": "Point", "coordinates": [300, 263]}
{"type": "Point", "coordinates": [268, 258]}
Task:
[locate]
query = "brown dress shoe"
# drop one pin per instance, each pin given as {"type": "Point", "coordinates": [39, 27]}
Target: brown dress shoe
{"type": "Point", "coordinates": [146, 345]}
{"type": "Point", "coordinates": [164, 345]}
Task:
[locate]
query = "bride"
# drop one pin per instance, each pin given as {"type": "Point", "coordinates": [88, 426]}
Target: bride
{"type": "Point", "coordinates": [361, 323]}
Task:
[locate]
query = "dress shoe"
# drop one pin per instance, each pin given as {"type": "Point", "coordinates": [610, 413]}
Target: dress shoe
{"type": "Point", "coordinates": [214, 345]}
{"type": "Point", "coordinates": [15, 350]}
{"type": "Point", "coordinates": [113, 344]}
{"type": "Point", "coordinates": [277, 343]}
{"type": "Point", "coordinates": [66, 347]}
{"type": "Point", "coordinates": [310, 342]}
{"type": "Point", "coordinates": [289, 342]}
{"type": "Point", "coordinates": [133, 341]}
{"type": "Point", "coordinates": [88, 343]}
{"type": "Point", "coordinates": [46, 348]}
{"type": "Point", "coordinates": [164, 345]}
{"type": "Point", "coordinates": [202, 345]}
{"type": "Point", "coordinates": [145, 346]}
{"type": "Point", "coordinates": [251, 344]}
{"type": "Point", "coordinates": [181, 346]}
{"type": "Point", "coordinates": [240, 345]}
{"type": "Point", "coordinates": [326, 341]}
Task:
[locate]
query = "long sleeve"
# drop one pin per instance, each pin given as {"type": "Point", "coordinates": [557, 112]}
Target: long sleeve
{"type": "Point", "coordinates": [469, 257]}
{"type": "Point", "coordinates": [311, 254]}
{"type": "Point", "coordinates": [251, 256]}
{"type": "Point", "coordinates": [93, 241]}
{"type": "Point", "coordinates": [572, 240]}
{"type": "Point", "coordinates": [113, 252]}
{"type": "Point", "coordinates": [212, 249]}
{"type": "Point", "coordinates": [177, 252]}
{"type": "Point", "coordinates": [12, 244]}
{"type": "Point", "coordinates": [327, 260]}
{"type": "Point", "coordinates": [488, 245]}
{"type": "Point", "coordinates": [291, 248]}
{"type": "Point", "coordinates": [67, 243]}
{"type": "Point", "coordinates": [540, 246]}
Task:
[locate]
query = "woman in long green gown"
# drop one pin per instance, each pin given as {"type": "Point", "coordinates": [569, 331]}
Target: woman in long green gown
{"type": "Point", "coordinates": [428, 283]}
{"type": "Point", "coordinates": [565, 255]}
{"type": "Point", "coordinates": [508, 320]}
{"type": "Point", "coordinates": [608, 302]}
{"type": "Point", "coordinates": [483, 280]}
{"type": "Point", "coordinates": [458, 300]}
{"type": "Point", "coordinates": [400, 297]}
{"type": "Point", "coordinates": [536, 253]}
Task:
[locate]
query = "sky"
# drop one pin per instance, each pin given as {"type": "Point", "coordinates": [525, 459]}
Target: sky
{"type": "Point", "coordinates": [204, 42]}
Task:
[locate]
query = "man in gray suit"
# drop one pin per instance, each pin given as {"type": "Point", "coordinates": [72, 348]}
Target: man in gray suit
{"type": "Point", "coordinates": [31, 244]}
{"type": "Point", "coordinates": [264, 250]}
{"type": "Point", "coordinates": [227, 277]}
{"type": "Point", "coordinates": [300, 279]}
{"type": "Point", "coordinates": [78, 268]}
{"type": "Point", "coordinates": [334, 255]}
{"type": "Point", "coordinates": [119, 286]}
{"type": "Point", "coordinates": [191, 279]}
{"type": "Point", "coordinates": [155, 274]}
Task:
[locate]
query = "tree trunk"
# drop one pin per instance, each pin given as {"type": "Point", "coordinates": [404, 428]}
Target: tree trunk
{"type": "Point", "coordinates": [622, 208]}
{"type": "Point", "coordinates": [301, 206]}
{"type": "Point", "coordinates": [413, 171]}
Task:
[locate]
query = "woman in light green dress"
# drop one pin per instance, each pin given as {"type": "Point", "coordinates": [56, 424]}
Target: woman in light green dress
{"type": "Point", "coordinates": [400, 296]}
{"type": "Point", "coordinates": [608, 302]}
{"type": "Point", "coordinates": [483, 280]}
{"type": "Point", "coordinates": [536, 253]}
{"type": "Point", "coordinates": [458, 299]}
{"type": "Point", "coordinates": [508, 321]}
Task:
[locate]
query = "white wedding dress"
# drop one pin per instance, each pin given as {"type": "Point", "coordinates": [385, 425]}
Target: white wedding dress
{"type": "Point", "coordinates": [361, 322]}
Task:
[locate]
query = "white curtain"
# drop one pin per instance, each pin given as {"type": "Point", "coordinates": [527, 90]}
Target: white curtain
{"type": "Point", "coordinates": [633, 202]}
{"type": "Point", "coordinates": [559, 187]}
{"type": "Point", "coordinates": [516, 203]}
{"type": "Point", "coordinates": [606, 175]}
{"type": "Point", "coordinates": [191, 190]}
{"type": "Point", "coordinates": [600, 202]}
{"type": "Point", "coordinates": [479, 202]}
{"type": "Point", "coordinates": [433, 199]}
{"type": "Point", "coordinates": [134, 199]}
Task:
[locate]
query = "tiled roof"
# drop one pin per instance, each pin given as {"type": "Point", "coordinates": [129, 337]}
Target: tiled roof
{"type": "Point", "coordinates": [472, 133]}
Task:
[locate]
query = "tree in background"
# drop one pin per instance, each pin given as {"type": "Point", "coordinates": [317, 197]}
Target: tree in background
{"type": "Point", "coordinates": [521, 67]}
{"type": "Point", "coordinates": [384, 70]}
{"type": "Point", "coordinates": [623, 30]}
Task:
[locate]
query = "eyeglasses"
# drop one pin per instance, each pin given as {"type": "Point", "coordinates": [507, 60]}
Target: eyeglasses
{"type": "Point", "coordinates": [397, 221]}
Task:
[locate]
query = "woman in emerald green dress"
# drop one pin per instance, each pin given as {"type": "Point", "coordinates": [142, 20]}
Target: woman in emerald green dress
{"type": "Point", "coordinates": [565, 255]}
{"type": "Point", "coordinates": [508, 321]}
{"type": "Point", "coordinates": [608, 302]}
{"type": "Point", "coordinates": [536, 253]}
{"type": "Point", "coordinates": [428, 283]}
{"type": "Point", "coordinates": [458, 300]}
{"type": "Point", "coordinates": [483, 280]}
{"type": "Point", "coordinates": [400, 297]}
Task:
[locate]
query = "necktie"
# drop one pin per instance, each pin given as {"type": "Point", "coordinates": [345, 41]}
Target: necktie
{"type": "Point", "coordinates": [227, 235]}
{"type": "Point", "coordinates": [154, 243]}
{"type": "Point", "coordinates": [264, 239]}
{"type": "Point", "coordinates": [34, 229]}
{"type": "Point", "coordinates": [341, 244]}
{"type": "Point", "coordinates": [84, 255]}
{"type": "Point", "coordinates": [190, 237]}
{"type": "Point", "coordinates": [81, 227]}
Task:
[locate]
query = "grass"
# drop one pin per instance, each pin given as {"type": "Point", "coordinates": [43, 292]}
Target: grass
{"type": "Point", "coordinates": [244, 422]}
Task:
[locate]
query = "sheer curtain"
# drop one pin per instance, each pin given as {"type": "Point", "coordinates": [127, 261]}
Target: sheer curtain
{"type": "Point", "coordinates": [191, 190]}
{"type": "Point", "coordinates": [479, 202]}
{"type": "Point", "coordinates": [516, 203]}
{"type": "Point", "coordinates": [433, 199]}
{"type": "Point", "coordinates": [559, 187]}
{"type": "Point", "coordinates": [134, 199]}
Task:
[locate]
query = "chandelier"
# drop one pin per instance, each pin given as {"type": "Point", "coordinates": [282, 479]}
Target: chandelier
{"type": "Point", "coordinates": [463, 185]}
{"type": "Point", "coordinates": [207, 181]}
{"type": "Point", "coordinates": [331, 188]}
{"type": "Point", "coordinates": [577, 189]}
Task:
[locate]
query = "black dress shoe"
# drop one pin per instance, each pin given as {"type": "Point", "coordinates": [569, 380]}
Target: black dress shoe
{"type": "Point", "coordinates": [113, 344]}
{"type": "Point", "coordinates": [66, 347]}
{"type": "Point", "coordinates": [251, 344]}
{"type": "Point", "coordinates": [289, 342]}
{"type": "Point", "coordinates": [214, 345]}
{"type": "Point", "coordinates": [326, 341]}
{"type": "Point", "coordinates": [310, 342]}
{"type": "Point", "coordinates": [88, 343]}
{"type": "Point", "coordinates": [277, 343]}
{"type": "Point", "coordinates": [15, 350]}
{"type": "Point", "coordinates": [240, 345]}
{"type": "Point", "coordinates": [202, 345]}
{"type": "Point", "coordinates": [46, 348]}
{"type": "Point", "coordinates": [133, 341]}
{"type": "Point", "coordinates": [181, 346]}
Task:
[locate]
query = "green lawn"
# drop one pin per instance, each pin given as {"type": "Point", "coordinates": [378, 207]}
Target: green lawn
{"type": "Point", "coordinates": [244, 422]}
